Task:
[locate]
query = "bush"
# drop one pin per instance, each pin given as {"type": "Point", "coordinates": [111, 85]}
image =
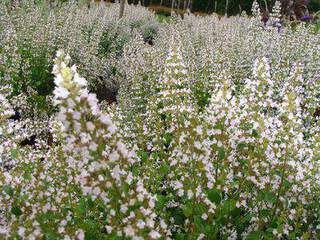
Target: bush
{"type": "Point", "coordinates": [94, 38]}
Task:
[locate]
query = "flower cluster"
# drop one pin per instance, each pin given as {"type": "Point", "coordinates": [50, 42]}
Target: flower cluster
{"type": "Point", "coordinates": [214, 134]}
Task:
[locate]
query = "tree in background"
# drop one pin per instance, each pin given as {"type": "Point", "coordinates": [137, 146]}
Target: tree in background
{"type": "Point", "coordinates": [122, 3]}
{"type": "Point", "coordinates": [297, 8]}
{"type": "Point", "coordinates": [314, 5]}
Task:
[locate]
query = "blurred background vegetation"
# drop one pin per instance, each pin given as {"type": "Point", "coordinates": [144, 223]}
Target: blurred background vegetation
{"type": "Point", "coordinates": [296, 8]}
{"type": "Point", "coordinates": [222, 7]}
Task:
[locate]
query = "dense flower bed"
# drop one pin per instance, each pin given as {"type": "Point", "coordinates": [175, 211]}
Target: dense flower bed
{"type": "Point", "coordinates": [215, 133]}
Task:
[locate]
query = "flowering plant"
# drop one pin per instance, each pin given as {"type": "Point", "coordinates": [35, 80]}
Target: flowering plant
{"type": "Point", "coordinates": [215, 133]}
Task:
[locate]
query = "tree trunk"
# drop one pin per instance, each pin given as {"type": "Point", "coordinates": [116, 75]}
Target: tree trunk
{"type": "Point", "coordinates": [226, 10]}
{"type": "Point", "coordinates": [184, 4]}
{"type": "Point", "coordinates": [189, 3]}
{"type": "Point", "coordinates": [122, 3]}
{"type": "Point", "coordinates": [172, 5]}
{"type": "Point", "coordinates": [208, 5]}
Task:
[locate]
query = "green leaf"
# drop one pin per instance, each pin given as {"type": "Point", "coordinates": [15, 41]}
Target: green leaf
{"type": "Point", "coordinates": [143, 155]}
{"type": "Point", "coordinates": [14, 153]}
{"type": "Point", "coordinates": [180, 236]}
{"type": "Point", "coordinates": [187, 210]}
{"type": "Point", "coordinates": [91, 229]}
{"type": "Point", "coordinates": [253, 236]}
{"type": "Point", "coordinates": [199, 209]}
{"type": "Point", "coordinates": [241, 146]}
{"type": "Point", "coordinates": [81, 209]}
{"type": "Point", "coordinates": [219, 126]}
{"type": "Point", "coordinates": [161, 200]}
{"type": "Point", "coordinates": [267, 196]}
{"type": "Point", "coordinates": [178, 215]}
{"type": "Point", "coordinates": [198, 222]}
{"type": "Point", "coordinates": [154, 156]}
{"type": "Point", "coordinates": [265, 212]}
{"type": "Point", "coordinates": [214, 196]}
{"type": "Point", "coordinates": [8, 190]}
{"type": "Point", "coordinates": [167, 139]}
{"type": "Point", "coordinates": [164, 169]}
{"type": "Point", "coordinates": [90, 202]}
{"type": "Point", "coordinates": [255, 133]}
{"type": "Point", "coordinates": [16, 210]}
{"type": "Point", "coordinates": [247, 217]}
{"type": "Point", "coordinates": [229, 206]}
{"type": "Point", "coordinates": [237, 212]}
{"type": "Point", "coordinates": [48, 216]}
{"type": "Point", "coordinates": [221, 153]}
{"type": "Point", "coordinates": [317, 27]}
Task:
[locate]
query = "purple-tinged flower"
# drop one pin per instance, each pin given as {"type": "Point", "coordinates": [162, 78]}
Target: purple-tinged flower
{"type": "Point", "coordinates": [265, 19]}
{"type": "Point", "coordinates": [306, 18]}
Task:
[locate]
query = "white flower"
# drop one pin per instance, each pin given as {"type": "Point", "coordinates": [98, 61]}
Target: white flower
{"type": "Point", "coordinates": [197, 144]}
{"type": "Point", "coordinates": [80, 234]}
{"type": "Point", "coordinates": [199, 129]}
{"type": "Point", "coordinates": [150, 223]}
{"type": "Point", "coordinates": [59, 53]}
{"type": "Point", "coordinates": [204, 216]}
{"type": "Point", "coordinates": [201, 236]}
{"type": "Point", "coordinates": [163, 224]}
{"type": "Point", "coordinates": [154, 234]}
{"type": "Point", "coordinates": [109, 229]}
{"type": "Point", "coordinates": [141, 224]}
{"type": "Point", "coordinates": [21, 231]}
{"type": "Point", "coordinates": [129, 231]}
{"type": "Point", "coordinates": [58, 79]}
{"type": "Point", "coordinates": [190, 194]}
{"type": "Point", "coordinates": [180, 192]}
{"type": "Point", "coordinates": [114, 156]}
{"type": "Point", "coordinates": [105, 119]}
{"type": "Point", "coordinates": [90, 126]}
{"type": "Point", "coordinates": [80, 80]}
{"type": "Point", "coordinates": [123, 209]}
{"type": "Point", "coordinates": [61, 92]}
